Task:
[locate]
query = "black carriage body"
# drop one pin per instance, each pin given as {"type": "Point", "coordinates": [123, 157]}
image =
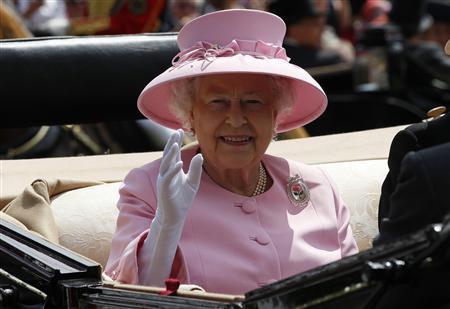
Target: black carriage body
{"type": "Point", "coordinates": [412, 272]}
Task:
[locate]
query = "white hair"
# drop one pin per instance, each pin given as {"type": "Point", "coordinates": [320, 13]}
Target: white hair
{"type": "Point", "coordinates": [183, 95]}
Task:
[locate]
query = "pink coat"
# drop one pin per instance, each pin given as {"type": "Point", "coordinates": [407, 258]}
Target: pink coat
{"type": "Point", "coordinates": [233, 243]}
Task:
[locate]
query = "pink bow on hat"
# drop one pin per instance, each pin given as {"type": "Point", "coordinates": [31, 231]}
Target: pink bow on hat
{"type": "Point", "coordinates": [209, 51]}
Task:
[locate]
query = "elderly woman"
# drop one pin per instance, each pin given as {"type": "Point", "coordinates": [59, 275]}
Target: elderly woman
{"type": "Point", "coordinates": [223, 214]}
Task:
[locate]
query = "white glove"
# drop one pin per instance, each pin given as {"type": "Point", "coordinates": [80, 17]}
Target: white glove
{"type": "Point", "coordinates": [176, 192]}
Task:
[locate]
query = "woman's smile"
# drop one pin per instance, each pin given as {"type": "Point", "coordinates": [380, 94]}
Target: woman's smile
{"type": "Point", "coordinates": [236, 140]}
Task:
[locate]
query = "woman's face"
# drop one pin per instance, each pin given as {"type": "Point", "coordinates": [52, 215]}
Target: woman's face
{"type": "Point", "coordinates": [233, 117]}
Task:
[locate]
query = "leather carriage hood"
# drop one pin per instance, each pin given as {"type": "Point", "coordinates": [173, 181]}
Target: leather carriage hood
{"type": "Point", "coordinates": [60, 80]}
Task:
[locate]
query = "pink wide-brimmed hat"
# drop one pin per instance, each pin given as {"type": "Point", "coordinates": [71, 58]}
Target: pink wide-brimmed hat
{"type": "Point", "coordinates": [234, 41]}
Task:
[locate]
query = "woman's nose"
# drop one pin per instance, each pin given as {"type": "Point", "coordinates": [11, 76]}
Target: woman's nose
{"type": "Point", "coordinates": [236, 116]}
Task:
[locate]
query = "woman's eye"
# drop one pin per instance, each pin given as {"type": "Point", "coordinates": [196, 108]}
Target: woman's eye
{"type": "Point", "coordinates": [218, 101]}
{"type": "Point", "coordinates": [253, 102]}
{"type": "Point", "coordinates": [217, 104]}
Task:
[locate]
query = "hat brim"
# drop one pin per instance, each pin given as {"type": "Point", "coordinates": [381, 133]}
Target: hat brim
{"type": "Point", "coordinates": [309, 99]}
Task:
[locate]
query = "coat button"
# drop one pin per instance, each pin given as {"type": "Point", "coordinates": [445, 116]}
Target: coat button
{"type": "Point", "coordinates": [249, 207]}
{"type": "Point", "coordinates": [262, 239]}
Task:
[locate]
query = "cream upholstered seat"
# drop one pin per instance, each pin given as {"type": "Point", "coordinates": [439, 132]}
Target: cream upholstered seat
{"type": "Point", "coordinates": [359, 183]}
{"type": "Point", "coordinates": [86, 219]}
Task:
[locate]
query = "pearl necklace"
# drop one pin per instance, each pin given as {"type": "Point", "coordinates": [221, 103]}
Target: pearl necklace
{"type": "Point", "coordinates": [262, 180]}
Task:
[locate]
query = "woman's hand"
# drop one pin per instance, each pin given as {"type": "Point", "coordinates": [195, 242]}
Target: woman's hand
{"type": "Point", "coordinates": [176, 190]}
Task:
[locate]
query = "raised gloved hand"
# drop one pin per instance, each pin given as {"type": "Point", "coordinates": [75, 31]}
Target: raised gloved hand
{"type": "Point", "coordinates": [176, 192]}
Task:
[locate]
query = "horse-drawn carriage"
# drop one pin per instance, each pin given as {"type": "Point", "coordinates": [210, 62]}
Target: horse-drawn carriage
{"type": "Point", "coordinates": [84, 91]}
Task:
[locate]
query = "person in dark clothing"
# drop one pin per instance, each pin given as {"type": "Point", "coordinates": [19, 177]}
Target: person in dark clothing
{"type": "Point", "coordinates": [415, 191]}
{"type": "Point", "coordinates": [305, 21]}
{"type": "Point", "coordinates": [426, 68]}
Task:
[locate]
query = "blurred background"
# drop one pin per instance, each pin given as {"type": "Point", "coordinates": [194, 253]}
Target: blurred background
{"type": "Point", "coordinates": [381, 63]}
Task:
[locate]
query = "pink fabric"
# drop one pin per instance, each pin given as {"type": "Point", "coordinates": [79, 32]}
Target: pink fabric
{"type": "Point", "coordinates": [233, 243]}
{"type": "Point", "coordinates": [208, 51]}
{"type": "Point", "coordinates": [221, 27]}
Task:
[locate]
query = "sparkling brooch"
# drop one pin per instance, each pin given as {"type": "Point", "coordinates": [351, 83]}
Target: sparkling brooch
{"type": "Point", "coordinates": [297, 191]}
